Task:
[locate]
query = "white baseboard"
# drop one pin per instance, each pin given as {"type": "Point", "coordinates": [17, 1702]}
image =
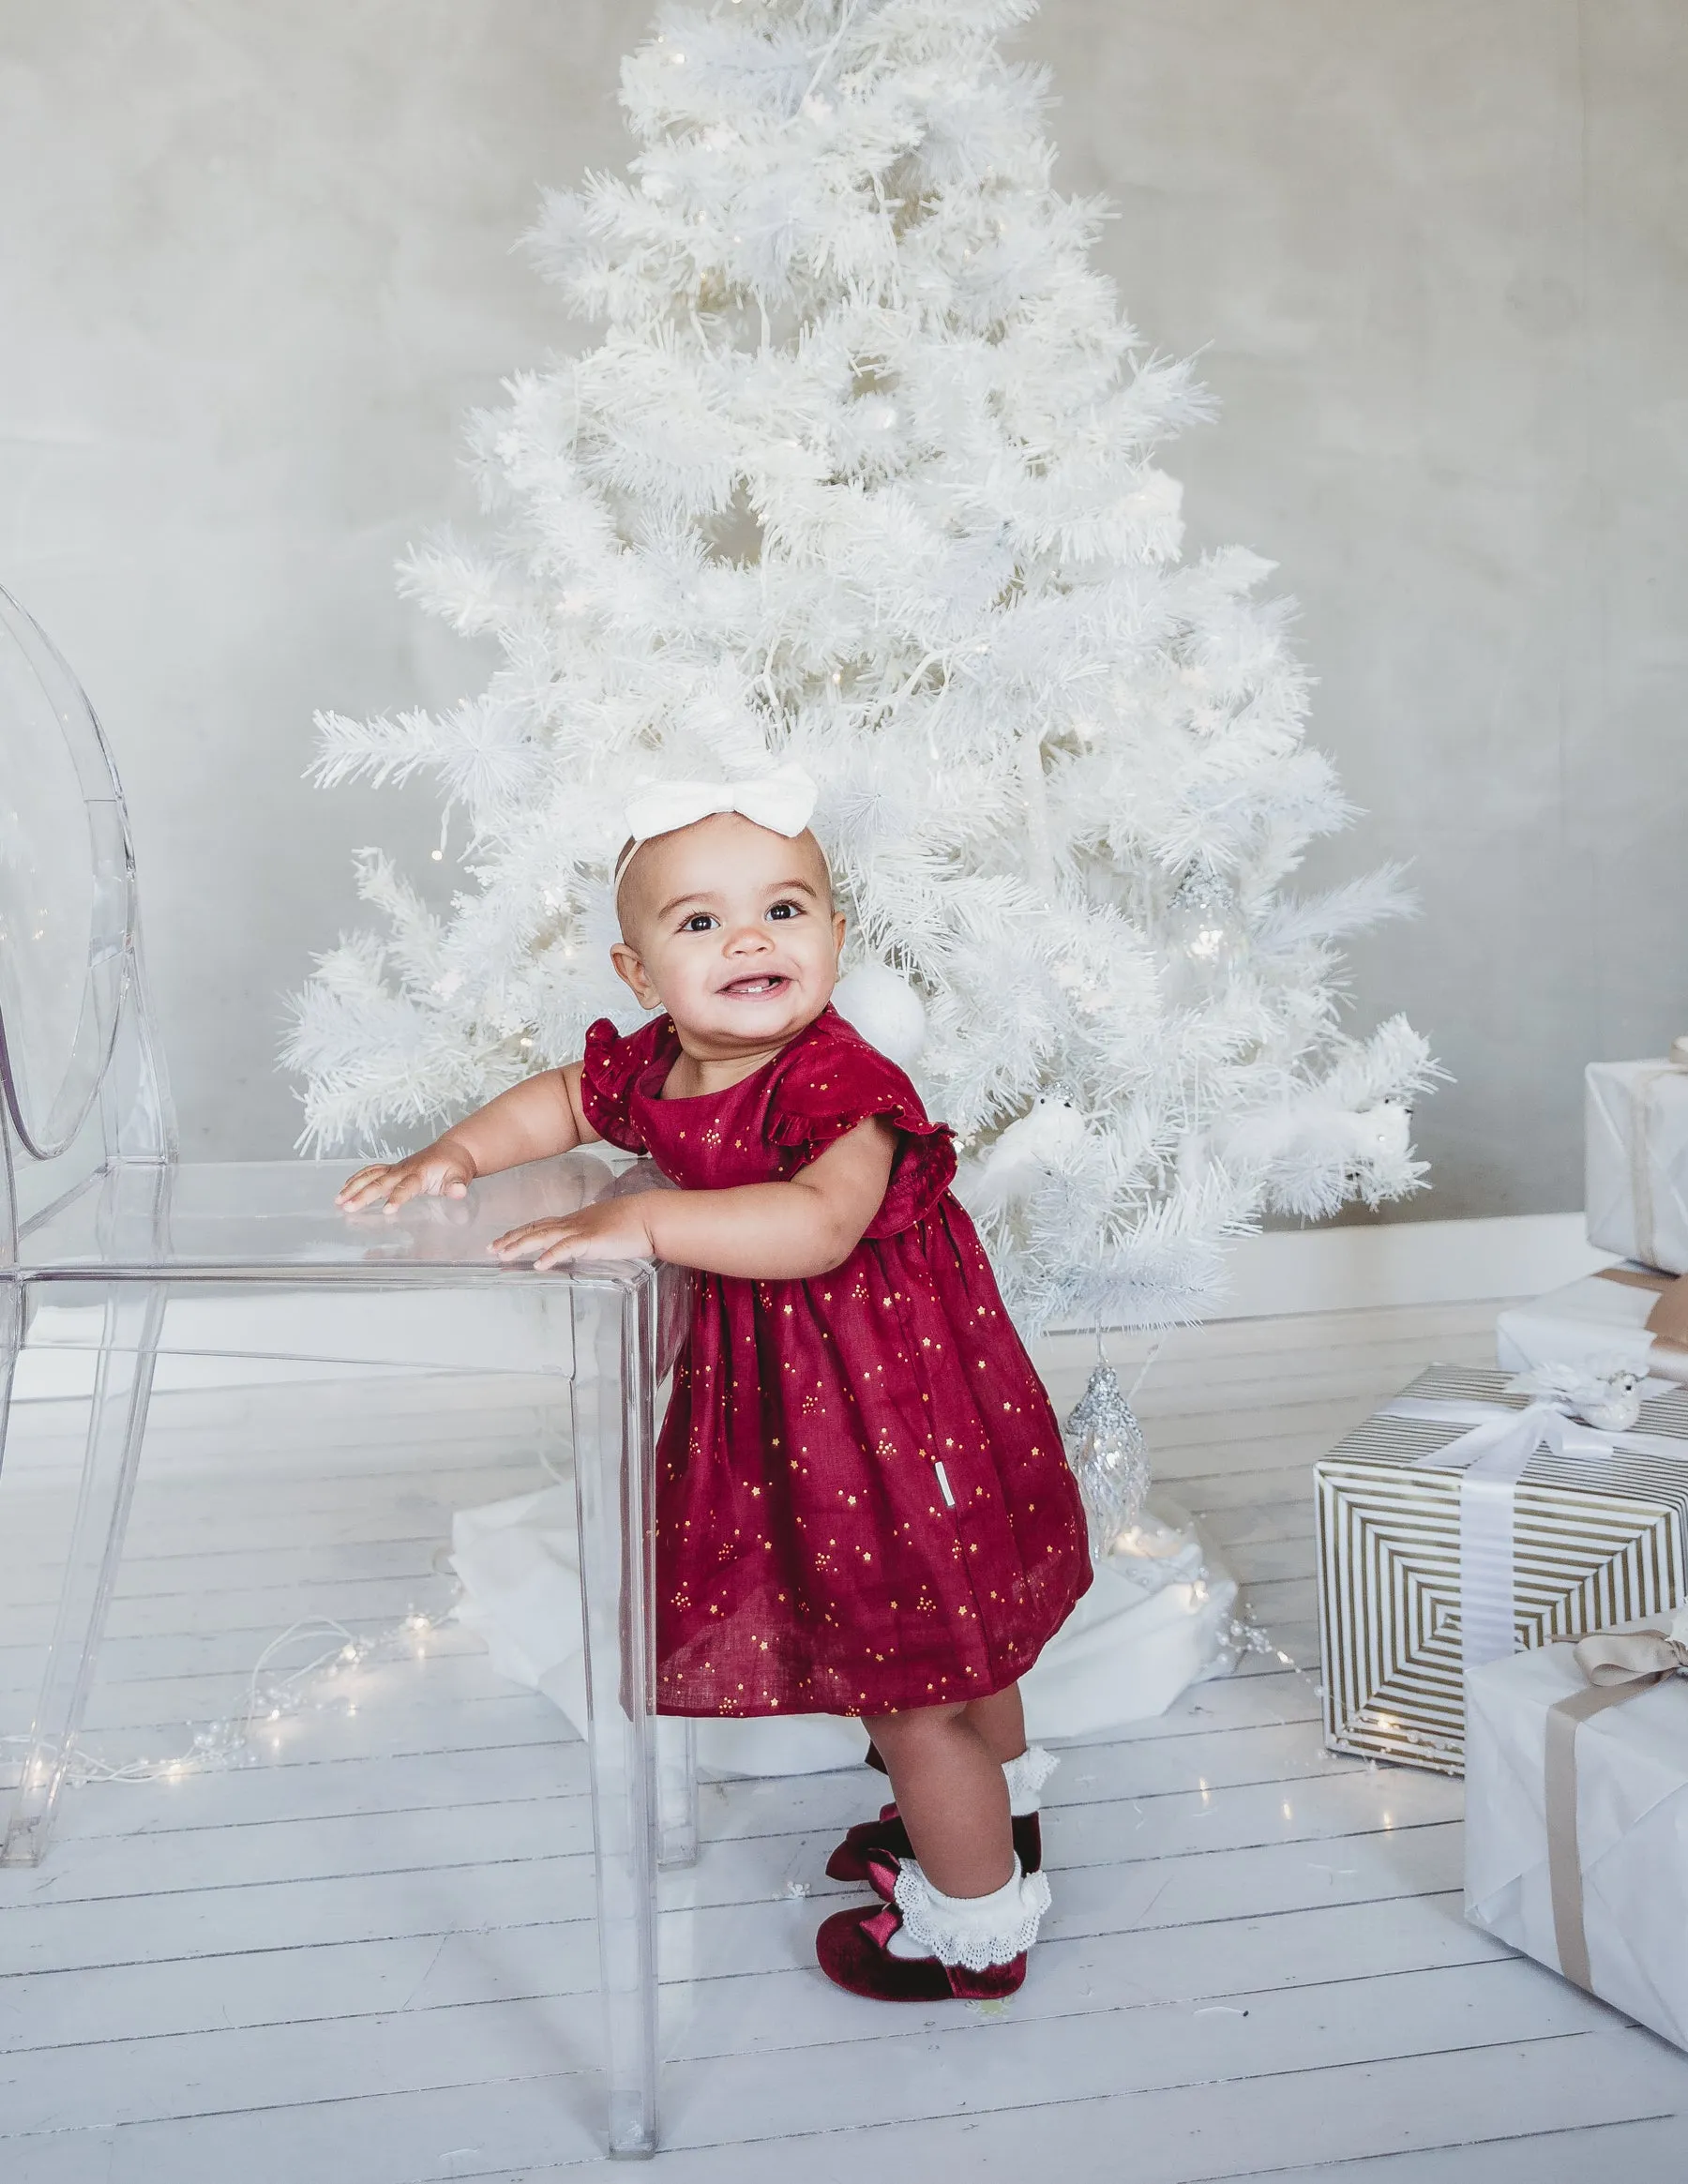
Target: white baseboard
{"type": "Point", "coordinates": [1407, 1262]}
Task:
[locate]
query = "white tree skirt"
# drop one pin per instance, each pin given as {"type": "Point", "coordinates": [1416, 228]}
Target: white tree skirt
{"type": "Point", "coordinates": [1160, 1617]}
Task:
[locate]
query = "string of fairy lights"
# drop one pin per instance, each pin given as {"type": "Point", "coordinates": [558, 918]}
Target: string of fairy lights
{"type": "Point", "coordinates": [321, 1683]}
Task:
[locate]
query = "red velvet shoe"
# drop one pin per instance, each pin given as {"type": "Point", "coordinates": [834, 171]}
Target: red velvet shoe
{"type": "Point", "coordinates": [887, 1837]}
{"type": "Point", "coordinates": [851, 1950]}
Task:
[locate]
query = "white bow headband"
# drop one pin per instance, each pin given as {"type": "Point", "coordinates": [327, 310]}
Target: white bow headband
{"type": "Point", "coordinates": [781, 801]}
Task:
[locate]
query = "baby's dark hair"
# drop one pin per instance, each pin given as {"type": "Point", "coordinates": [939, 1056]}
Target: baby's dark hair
{"type": "Point", "coordinates": [619, 871]}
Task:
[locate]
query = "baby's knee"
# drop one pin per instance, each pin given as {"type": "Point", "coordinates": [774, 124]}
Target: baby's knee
{"type": "Point", "coordinates": [913, 1727]}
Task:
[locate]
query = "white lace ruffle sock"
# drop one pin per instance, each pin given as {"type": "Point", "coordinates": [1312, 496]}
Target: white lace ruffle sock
{"type": "Point", "coordinates": [972, 1931]}
{"type": "Point", "coordinates": [1025, 1777]}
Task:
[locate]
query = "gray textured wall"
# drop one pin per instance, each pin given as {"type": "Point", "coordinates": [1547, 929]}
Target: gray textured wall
{"type": "Point", "coordinates": [257, 264]}
{"type": "Point", "coordinates": [1433, 254]}
{"type": "Point", "coordinates": [1437, 253]}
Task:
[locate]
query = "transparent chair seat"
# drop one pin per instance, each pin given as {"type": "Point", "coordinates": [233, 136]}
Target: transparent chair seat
{"type": "Point", "coordinates": [110, 1245]}
{"type": "Point", "coordinates": [224, 1219]}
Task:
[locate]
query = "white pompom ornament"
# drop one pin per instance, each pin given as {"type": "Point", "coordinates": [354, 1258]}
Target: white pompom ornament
{"type": "Point", "coordinates": [882, 1004]}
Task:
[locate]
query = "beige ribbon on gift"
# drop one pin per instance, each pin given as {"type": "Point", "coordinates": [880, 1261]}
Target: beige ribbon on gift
{"type": "Point", "coordinates": [1640, 1145]}
{"type": "Point", "coordinates": [1619, 1667]}
{"type": "Point", "coordinates": [1667, 1322]}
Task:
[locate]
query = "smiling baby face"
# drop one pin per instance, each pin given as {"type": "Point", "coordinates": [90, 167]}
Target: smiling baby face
{"type": "Point", "coordinates": [731, 928]}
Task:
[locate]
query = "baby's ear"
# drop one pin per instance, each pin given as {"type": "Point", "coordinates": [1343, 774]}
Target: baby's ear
{"type": "Point", "coordinates": [630, 969]}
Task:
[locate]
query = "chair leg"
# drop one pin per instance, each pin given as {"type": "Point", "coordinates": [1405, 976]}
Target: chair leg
{"type": "Point", "coordinates": [117, 1426]}
{"type": "Point", "coordinates": [614, 1358]}
{"type": "Point", "coordinates": [677, 1790]}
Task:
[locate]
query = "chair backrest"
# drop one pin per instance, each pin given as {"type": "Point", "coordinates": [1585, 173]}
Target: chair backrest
{"type": "Point", "coordinates": [82, 1083]}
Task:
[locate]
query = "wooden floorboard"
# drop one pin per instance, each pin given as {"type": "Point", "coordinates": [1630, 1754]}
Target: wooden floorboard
{"type": "Point", "coordinates": [370, 1959]}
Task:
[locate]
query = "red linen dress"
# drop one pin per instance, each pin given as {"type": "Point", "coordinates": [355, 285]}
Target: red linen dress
{"type": "Point", "coordinates": [863, 1504]}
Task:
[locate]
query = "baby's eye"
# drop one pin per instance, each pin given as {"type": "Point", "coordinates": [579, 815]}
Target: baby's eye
{"type": "Point", "coordinates": [701, 921]}
{"type": "Point", "coordinates": [785, 910]}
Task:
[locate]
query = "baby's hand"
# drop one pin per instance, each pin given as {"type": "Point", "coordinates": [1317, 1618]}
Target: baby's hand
{"type": "Point", "coordinates": [613, 1228]}
{"type": "Point", "coordinates": [438, 1171]}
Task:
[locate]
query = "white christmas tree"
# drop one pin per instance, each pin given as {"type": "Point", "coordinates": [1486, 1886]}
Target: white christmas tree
{"type": "Point", "coordinates": [861, 473]}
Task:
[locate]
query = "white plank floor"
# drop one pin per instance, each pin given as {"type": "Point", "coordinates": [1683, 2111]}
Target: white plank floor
{"type": "Point", "coordinates": [369, 1960]}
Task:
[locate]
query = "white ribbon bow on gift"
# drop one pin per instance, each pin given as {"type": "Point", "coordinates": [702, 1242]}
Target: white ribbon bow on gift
{"type": "Point", "coordinates": [781, 800]}
{"type": "Point", "coordinates": [1492, 1457]}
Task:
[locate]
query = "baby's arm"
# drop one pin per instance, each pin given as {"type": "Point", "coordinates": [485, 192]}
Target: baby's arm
{"type": "Point", "coordinates": [539, 1116]}
{"type": "Point", "coordinates": [768, 1232]}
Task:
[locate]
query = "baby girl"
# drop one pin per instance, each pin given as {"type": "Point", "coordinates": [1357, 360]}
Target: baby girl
{"type": "Point", "coordinates": [862, 1505]}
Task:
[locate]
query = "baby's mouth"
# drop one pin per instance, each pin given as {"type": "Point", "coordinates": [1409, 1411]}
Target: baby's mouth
{"type": "Point", "coordinates": [757, 987]}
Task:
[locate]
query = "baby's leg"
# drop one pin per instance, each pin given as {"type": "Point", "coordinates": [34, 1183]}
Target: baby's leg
{"type": "Point", "coordinates": [1001, 1720]}
{"type": "Point", "coordinates": [962, 1915]}
{"type": "Point", "coordinates": [952, 1794]}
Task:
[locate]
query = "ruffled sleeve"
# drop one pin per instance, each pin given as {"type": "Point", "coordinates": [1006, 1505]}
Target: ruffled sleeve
{"type": "Point", "coordinates": [833, 1083]}
{"type": "Point", "coordinates": [608, 1071]}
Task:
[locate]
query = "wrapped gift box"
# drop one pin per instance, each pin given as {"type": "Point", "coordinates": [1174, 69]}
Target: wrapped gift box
{"type": "Point", "coordinates": [1577, 1828]}
{"type": "Point", "coordinates": [1636, 1159]}
{"type": "Point", "coordinates": [1461, 1523]}
{"type": "Point", "coordinates": [1627, 1315]}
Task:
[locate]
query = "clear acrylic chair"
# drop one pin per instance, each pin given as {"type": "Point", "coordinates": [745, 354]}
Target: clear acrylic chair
{"type": "Point", "coordinates": [105, 1236]}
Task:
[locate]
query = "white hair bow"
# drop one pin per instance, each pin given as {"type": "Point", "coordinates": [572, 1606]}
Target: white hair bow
{"type": "Point", "coordinates": [781, 801]}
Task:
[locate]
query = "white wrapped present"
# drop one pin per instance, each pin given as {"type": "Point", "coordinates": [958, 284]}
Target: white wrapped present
{"type": "Point", "coordinates": [1623, 1316]}
{"type": "Point", "coordinates": [1464, 1521]}
{"type": "Point", "coordinates": [1577, 1814]}
{"type": "Point", "coordinates": [1636, 1159]}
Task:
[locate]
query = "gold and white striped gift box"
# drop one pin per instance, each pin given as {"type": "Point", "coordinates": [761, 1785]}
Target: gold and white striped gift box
{"type": "Point", "coordinates": [1591, 1533]}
